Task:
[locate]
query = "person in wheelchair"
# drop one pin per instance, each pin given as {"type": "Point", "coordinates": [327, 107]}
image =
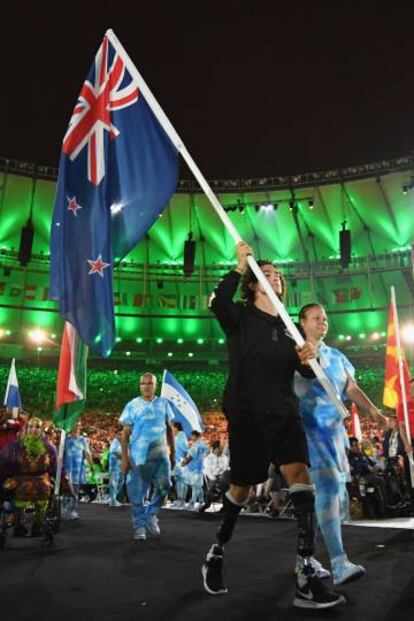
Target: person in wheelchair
{"type": "Point", "coordinates": [27, 470]}
{"type": "Point", "coordinates": [366, 483]}
{"type": "Point", "coordinates": [217, 473]}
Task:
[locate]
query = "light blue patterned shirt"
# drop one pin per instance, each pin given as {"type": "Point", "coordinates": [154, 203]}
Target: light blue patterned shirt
{"type": "Point", "coordinates": [315, 405]}
{"type": "Point", "coordinates": [197, 451]}
{"type": "Point", "coordinates": [115, 461]}
{"type": "Point", "coordinates": [148, 420]}
{"type": "Point", "coordinates": [74, 459]}
{"type": "Point", "coordinates": [181, 446]}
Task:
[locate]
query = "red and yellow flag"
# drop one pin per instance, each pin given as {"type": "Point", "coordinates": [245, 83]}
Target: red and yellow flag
{"type": "Point", "coordinates": [392, 386]}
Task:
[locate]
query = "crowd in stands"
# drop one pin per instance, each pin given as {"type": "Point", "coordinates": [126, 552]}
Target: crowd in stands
{"type": "Point", "coordinates": [110, 389]}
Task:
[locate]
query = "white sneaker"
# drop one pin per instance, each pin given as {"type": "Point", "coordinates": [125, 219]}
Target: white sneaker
{"type": "Point", "coordinates": [319, 571]}
{"type": "Point", "coordinates": [140, 534]}
{"type": "Point", "coordinates": [73, 515]}
{"type": "Point", "coordinates": [343, 571]}
{"type": "Point", "coordinates": [152, 526]}
{"type": "Point", "coordinates": [196, 506]}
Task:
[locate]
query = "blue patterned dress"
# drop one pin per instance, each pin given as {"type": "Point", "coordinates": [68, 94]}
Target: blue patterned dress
{"type": "Point", "coordinates": [327, 440]}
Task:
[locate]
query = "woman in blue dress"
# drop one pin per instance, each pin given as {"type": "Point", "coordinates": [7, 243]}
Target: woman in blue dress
{"type": "Point", "coordinates": [327, 437]}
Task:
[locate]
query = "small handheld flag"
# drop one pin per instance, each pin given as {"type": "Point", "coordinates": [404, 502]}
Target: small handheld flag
{"type": "Point", "coordinates": [184, 408]}
{"type": "Point", "coordinates": [12, 398]}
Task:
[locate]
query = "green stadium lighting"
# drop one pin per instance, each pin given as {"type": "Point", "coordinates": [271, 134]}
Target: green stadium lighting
{"type": "Point", "coordinates": [200, 341]}
{"type": "Point", "coordinates": [180, 341]}
{"type": "Point", "coordinates": [362, 335]}
{"type": "Point", "coordinates": [159, 340]}
{"type": "Point", "coordinates": [190, 354]}
{"type": "Point", "coordinates": [375, 336]}
{"type": "Point", "coordinates": [170, 354]}
{"type": "Point", "coordinates": [118, 339]}
{"type": "Point", "coordinates": [341, 337]}
{"type": "Point", "coordinates": [348, 337]}
{"type": "Point", "coordinates": [40, 349]}
{"type": "Point", "coordinates": [127, 353]}
{"type": "Point", "coordinates": [383, 334]}
{"type": "Point", "coordinates": [139, 339]}
{"type": "Point", "coordinates": [53, 336]}
{"type": "Point", "coordinates": [221, 341]}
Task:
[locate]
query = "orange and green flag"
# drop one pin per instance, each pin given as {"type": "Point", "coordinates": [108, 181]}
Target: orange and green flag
{"type": "Point", "coordinates": [392, 384]}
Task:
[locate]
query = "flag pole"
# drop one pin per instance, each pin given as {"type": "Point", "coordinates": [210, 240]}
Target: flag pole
{"type": "Point", "coordinates": [179, 145]}
{"type": "Point", "coordinates": [60, 461]}
{"type": "Point", "coordinates": [402, 381]}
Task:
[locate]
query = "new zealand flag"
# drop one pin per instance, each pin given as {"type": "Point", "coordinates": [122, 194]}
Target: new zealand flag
{"type": "Point", "coordinates": [118, 170]}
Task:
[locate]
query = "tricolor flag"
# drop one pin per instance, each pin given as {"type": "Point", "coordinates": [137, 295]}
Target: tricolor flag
{"type": "Point", "coordinates": [184, 408]}
{"type": "Point", "coordinates": [355, 430]}
{"type": "Point", "coordinates": [71, 383]}
{"type": "Point", "coordinates": [392, 385]}
{"type": "Point", "coordinates": [12, 397]}
{"type": "Point", "coordinates": [117, 172]}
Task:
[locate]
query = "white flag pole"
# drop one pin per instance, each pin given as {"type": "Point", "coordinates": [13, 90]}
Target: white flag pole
{"type": "Point", "coordinates": [60, 462]}
{"type": "Point", "coordinates": [179, 145]}
{"type": "Point", "coordinates": [402, 381]}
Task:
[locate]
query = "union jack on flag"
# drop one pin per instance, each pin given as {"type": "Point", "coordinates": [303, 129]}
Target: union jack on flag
{"type": "Point", "coordinates": [118, 170]}
{"type": "Point", "coordinates": [91, 117]}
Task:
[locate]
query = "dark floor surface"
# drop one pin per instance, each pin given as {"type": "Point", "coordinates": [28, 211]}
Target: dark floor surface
{"type": "Point", "coordinates": [94, 571]}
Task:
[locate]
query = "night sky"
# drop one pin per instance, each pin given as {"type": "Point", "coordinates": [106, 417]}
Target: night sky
{"type": "Point", "coordinates": [263, 90]}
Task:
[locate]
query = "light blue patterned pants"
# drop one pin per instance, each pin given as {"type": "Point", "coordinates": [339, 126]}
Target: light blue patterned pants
{"type": "Point", "coordinates": [180, 483]}
{"type": "Point", "coordinates": [327, 454]}
{"type": "Point", "coordinates": [116, 480]}
{"type": "Point", "coordinates": [156, 473]}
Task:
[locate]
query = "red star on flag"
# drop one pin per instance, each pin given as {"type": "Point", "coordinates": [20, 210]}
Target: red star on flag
{"type": "Point", "coordinates": [97, 266]}
{"type": "Point", "coordinates": [73, 205]}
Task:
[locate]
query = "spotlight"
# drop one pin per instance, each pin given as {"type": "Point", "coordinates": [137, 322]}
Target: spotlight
{"type": "Point", "coordinates": [37, 335]}
{"type": "Point", "coordinates": [408, 333]}
{"type": "Point", "coordinates": [375, 336]}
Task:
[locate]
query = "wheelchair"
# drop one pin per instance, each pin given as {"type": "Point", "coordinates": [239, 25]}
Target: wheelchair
{"type": "Point", "coordinates": [50, 521]}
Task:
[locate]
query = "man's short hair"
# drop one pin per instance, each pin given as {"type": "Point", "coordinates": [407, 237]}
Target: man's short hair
{"type": "Point", "coordinates": [353, 440]}
{"type": "Point", "coordinates": [195, 433]}
{"type": "Point", "coordinates": [178, 425]}
{"type": "Point", "coordinates": [215, 445]}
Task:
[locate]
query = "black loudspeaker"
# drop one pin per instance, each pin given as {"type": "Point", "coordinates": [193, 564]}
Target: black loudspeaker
{"type": "Point", "coordinates": [345, 247]}
{"type": "Point", "coordinates": [189, 257]}
{"type": "Point", "coordinates": [26, 243]}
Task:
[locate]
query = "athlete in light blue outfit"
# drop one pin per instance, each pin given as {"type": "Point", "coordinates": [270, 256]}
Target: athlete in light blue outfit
{"type": "Point", "coordinates": [76, 452]}
{"type": "Point", "coordinates": [194, 463]}
{"type": "Point", "coordinates": [146, 436]}
{"type": "Point", "coordinates": [181, 448]}
{"type": "Point", "coordinates": [327, 438]}
{"type": "Point", "coordinates": [116, 478]}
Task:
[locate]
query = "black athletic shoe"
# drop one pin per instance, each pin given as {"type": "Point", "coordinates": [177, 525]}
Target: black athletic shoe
{"type": "Point", "coordinates": [312, 593]}
{"type": "Point", "coordinates": [212, 571]}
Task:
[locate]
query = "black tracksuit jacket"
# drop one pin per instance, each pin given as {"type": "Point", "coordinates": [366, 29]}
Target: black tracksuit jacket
{"type": "Point", "coordinates": [262, 358]}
